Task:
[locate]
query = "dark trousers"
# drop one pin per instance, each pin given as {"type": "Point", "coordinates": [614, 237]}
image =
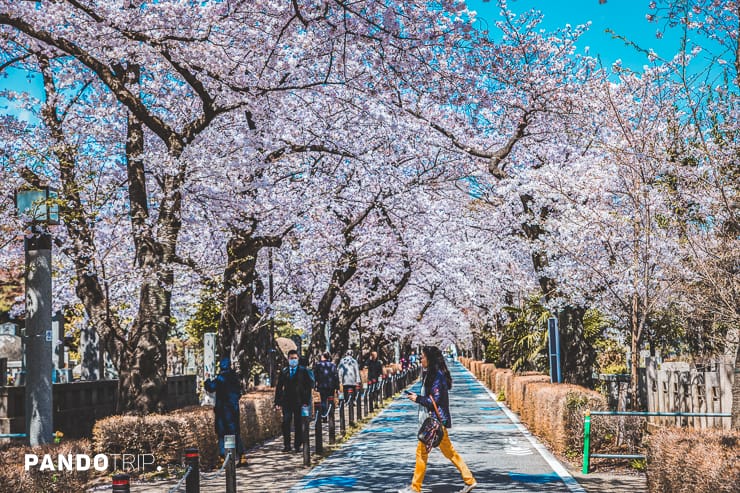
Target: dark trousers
{"type": "Point", "coordinates": [292, 413]}
{"type": "Point", "coordinates": [325, 394]}
{"type": "Point", "coordinates": [346, 392]}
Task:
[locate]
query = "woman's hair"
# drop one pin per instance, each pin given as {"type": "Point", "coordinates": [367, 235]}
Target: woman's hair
{"type": "Point", "coordinates": [435, 363]}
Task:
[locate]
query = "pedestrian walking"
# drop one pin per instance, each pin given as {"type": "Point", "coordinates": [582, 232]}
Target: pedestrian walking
{"type": "Point", "coordinates": [228, 390]}
{"type": "Point", "coordinates": [303, 361]}
{"type": "Point", "coordinates": [293, 391]}
{"type": "Point", "coordinates": [327, 380]}
{"type": "Point", "coordinates": [349, 373]}
{"type": "Point", "coordinates": [374, 367]}
{"type": "Point", "coordinates": [437, 383]}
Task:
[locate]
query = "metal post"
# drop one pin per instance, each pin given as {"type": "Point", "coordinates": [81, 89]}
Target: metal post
{"type": "Point", "coordinates": [305, 417]}
{"type": "Point", "coordinates": [332, 423]}
{"type": "Point", "coordinates": [553, 336]}
{"type": "Point", "coordinates": [359, 401]}
{"type": "Point", "coordinates": [369, 396]}
{"type": "Point", "coordinates": [586, 442]}
{"type": "Point", "coordinates": [342, 425]}
{"type": "Point", "coordinates": [230, 450]}
{"type": "Point", "coordinates": [318, 432]}
{"type": "Point", "coordinates": [121, 483]}
{"type": "Point", "coordinates": [351, 404]}
{"type": "Point", "coordinates": [273, 376]}
{"type": "Point", "coordinates": [379, 392]}
{"type": "Point", "coordinates": [39, 407]}
{"type": "Point", "coordinates": [192, 461]}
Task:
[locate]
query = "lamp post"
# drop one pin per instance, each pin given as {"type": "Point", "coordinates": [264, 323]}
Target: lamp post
{"type": "Point", "coordinates": [271, 350]}
{"type": "Point", "coordinates": [37, 204]}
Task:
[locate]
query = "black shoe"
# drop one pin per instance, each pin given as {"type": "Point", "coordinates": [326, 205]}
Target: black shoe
{"type": "Point", "coordinates": [299, 448]}
{"type": "Point", "coordinates": [286, 449]}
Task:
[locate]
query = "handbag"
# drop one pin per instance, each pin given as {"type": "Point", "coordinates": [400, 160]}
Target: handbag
{"type": "Point", "coordinates": [432, 430]}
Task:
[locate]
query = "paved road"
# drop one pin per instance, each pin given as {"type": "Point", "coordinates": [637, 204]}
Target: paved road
{"type": "Point", "coordinates": [501, 453]}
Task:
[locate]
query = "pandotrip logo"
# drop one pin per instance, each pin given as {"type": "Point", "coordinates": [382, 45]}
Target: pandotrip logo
{"type": "Point", "coordinates": [84, 462]}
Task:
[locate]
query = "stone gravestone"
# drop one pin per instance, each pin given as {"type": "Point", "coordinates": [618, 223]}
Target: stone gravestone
{"type": "Point", "coordinates": [209, 364]}
{"type": "Point", "coordinates": [191, 363]}
{"type": "Point", "coordinates": [90, 353]}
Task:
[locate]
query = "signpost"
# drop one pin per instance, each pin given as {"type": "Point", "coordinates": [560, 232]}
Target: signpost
{"type": "Point", "coordinates": [553, 337]}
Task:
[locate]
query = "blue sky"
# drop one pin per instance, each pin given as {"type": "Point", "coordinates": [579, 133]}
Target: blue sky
{"type": "Point", "coordinates": [624, 17]}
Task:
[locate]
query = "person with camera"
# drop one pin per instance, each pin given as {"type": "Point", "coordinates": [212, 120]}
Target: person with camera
{"type": "Point", "coordinates": [227, 387]}
{"type": "Point", "coordinates": [436, 400]}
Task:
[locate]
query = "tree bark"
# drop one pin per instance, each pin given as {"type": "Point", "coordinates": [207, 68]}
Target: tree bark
{"type": "Point", "coordinates": [142, 366]}
{"type": "Point", "coordinates": [81, 245]}
{"type": "Point", "coordinates": [735, 419]}
{"type": "Point", "coordinates": [241, 335]}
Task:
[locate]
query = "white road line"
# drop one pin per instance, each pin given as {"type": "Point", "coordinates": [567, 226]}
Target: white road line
{"type": "Point", "coordinates": [555, 464]}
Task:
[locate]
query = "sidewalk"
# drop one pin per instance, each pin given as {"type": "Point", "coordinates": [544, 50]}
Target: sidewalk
{"type": "Point", "coordinates": [500, 452]}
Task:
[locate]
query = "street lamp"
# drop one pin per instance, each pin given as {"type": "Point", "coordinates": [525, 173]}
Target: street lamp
{"type": "Point", "coordinates": [39, 205]}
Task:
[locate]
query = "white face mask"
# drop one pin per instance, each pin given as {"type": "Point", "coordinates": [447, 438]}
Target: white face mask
{"type": "Point", "coordinates": [293, 363]}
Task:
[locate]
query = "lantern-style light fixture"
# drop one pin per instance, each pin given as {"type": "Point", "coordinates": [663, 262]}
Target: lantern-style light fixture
{"type": "Point", "coordinates": [39, 203]}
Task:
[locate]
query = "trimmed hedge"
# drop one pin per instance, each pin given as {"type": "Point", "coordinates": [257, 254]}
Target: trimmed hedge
{"type": "Point", "coordinates": [166, 436]}
{"type": "Point", "coordinates": [553, 412]}
{"type": "Point", "coordinates": [693, 461]}
{"type": "Point", "coordinates": [14, 478]}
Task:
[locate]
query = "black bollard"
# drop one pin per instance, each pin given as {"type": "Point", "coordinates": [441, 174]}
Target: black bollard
{"type": "Point", "coordinates": [369, 396]}
{"type": "Point", "coordinates": [230, 450]}
{"type": "Point", "coordinates": [351, 404]}
{"type": "Point", "coordinates": [366, 398]}
{"type": "Point", "coordinates": [318, 432]}
{"type": "Point", "coordinates": [359, 402]}
{"type": "Point", "coordinates": [192, 461]}
{"type": "Point", "coordinates": [121, 483]}
{"type": "Point", "coordinates": [305, 420]}
{"type": "Point", "coordinates": [342, 425]}
{"type": "Point", "coordinates": [332, 423]}
{"type": "Point", "coordinates": [379, 392]}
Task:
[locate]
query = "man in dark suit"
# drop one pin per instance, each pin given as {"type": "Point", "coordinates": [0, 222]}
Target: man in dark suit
{"type": "Point", "coordinates": [293, 391]}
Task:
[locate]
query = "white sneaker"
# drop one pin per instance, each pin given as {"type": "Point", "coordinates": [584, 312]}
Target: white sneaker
{"type": "Point", "coordinates": [468, 487]}
{"type": "Point", "coordinates": [407, 489]}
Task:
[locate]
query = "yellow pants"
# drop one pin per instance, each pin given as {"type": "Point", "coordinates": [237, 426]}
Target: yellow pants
{"type": "Point", "coordinates": [448, 451]}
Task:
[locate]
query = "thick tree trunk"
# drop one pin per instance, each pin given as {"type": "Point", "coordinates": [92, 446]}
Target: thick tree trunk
{"type": "Point", "coordinates": [142, 365]}
{"type": "Point", "coordinates": [577, 355]}
{"type": "Point", "coordinates": [81, 244]}
{"type": "Point", "coordinates": [241, 335]}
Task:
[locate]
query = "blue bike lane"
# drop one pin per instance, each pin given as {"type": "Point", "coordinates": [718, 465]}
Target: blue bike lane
{"type": "Point", "coordinates": [500, 452]}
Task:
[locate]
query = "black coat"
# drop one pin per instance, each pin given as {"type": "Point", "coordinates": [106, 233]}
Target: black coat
{"type": "Point", "coordinates": [436, 386]}
{"type": "Point", "coordinates": [374, 369]}
{"type": "Point", "coordinates": [228, 389]}
{"type": "Point", "coordinates": [293, 392]}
